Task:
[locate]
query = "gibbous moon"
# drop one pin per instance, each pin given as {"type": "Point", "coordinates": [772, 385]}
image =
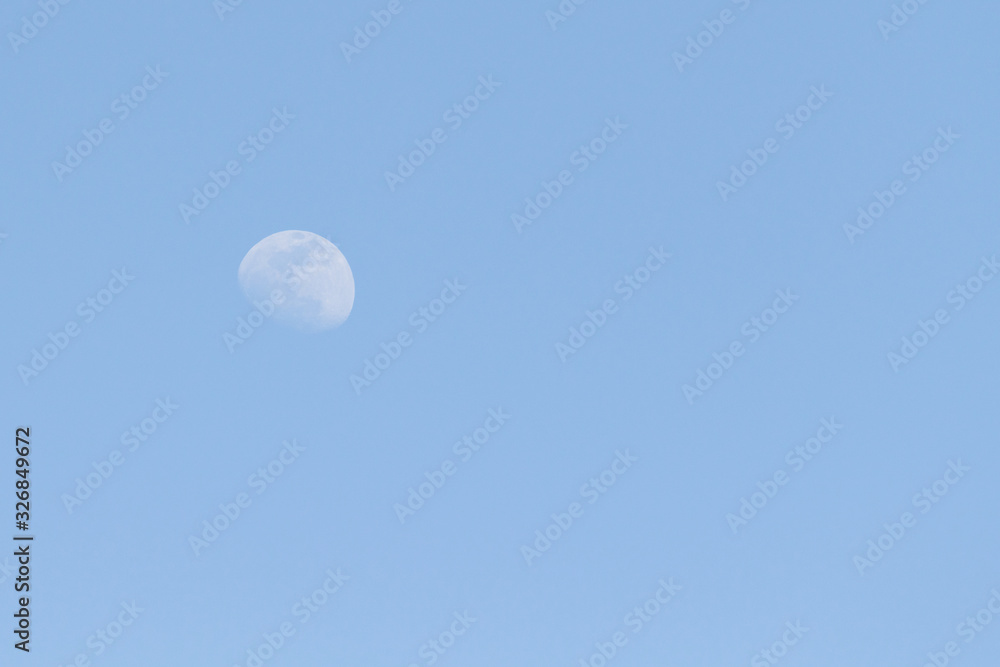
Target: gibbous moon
{"type": "Point", "coordinates": [313, 278]}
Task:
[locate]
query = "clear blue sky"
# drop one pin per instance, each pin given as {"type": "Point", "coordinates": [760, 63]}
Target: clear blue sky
{"type": "Point", "coordinates": [624, 144]}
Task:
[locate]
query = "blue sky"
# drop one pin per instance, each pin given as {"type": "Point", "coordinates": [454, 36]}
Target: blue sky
{"type": "Point", "coordinates": [622, 144]}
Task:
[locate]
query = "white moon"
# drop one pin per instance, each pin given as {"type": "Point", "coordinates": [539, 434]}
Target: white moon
{"type": "Point", "coordinates": [309, 274]}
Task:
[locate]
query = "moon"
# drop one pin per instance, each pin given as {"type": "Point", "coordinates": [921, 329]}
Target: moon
{"type": "Point", "coordinates": [305, 277]}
